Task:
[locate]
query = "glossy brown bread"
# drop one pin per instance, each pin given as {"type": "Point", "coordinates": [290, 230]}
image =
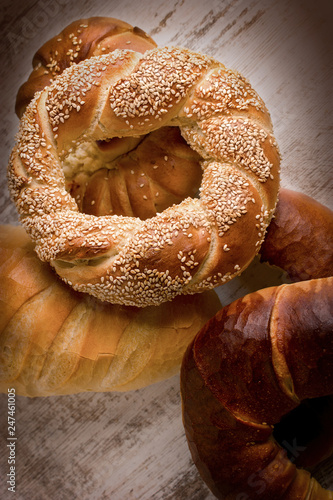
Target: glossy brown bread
{"type": "Point", "coordinates": [251, 365]}
{"type": "Point", "coordinates": [300, 237]}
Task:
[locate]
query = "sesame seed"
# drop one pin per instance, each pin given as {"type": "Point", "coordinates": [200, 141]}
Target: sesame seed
{"type": "Point", "coordinates": [238, 154]}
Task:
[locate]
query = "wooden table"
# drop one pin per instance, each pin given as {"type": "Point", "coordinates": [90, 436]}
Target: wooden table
{"type": "Point", "coordinates": [132, 445]}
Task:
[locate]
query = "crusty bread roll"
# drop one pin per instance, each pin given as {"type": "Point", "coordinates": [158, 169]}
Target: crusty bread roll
{"type": "Point", "coordinates": [57, 341]}
{"type": "Point", "coordinates": [188, 248]}
{"type": "Point", "coordinates": [254, 362]}
{"type": "Point", "coordinates": [259, 359]}
{"type": "Point", "coordinates": [300, 237]}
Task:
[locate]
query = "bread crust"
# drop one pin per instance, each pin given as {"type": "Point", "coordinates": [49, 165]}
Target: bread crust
{"type": "Point", "coordinates": [300, 237]}
{"type": "Point", "coordinates": [157, 171]}
{"type": "Point", "coordinates": [245, 370]}
{"type": "Point", "coordinates": [258, 359]}
{"type": "Point", "coordinates": [190, 247]}
{"type": "Point", "coordinates": [79, 40]}
{"type": "Point", "coordinates": [55, 341]}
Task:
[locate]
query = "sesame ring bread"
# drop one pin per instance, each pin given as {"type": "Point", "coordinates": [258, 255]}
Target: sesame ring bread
{"type": "Point", "coordinates": [192, 246]}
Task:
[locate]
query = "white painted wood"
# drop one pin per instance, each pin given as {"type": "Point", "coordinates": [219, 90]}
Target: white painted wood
{"type": "Point", "coordinates": [132, 446]}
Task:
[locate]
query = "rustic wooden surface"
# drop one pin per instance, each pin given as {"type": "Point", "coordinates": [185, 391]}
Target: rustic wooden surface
{"type": "Point", "coordinates": [132, 446]}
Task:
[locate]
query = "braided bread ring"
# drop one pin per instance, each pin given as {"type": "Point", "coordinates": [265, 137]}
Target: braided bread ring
{"type": "Point", "coordinates": [196, 245]}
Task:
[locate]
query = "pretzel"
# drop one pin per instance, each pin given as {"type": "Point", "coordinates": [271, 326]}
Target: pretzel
{"type": "Point", "coordinates": [188, 248]}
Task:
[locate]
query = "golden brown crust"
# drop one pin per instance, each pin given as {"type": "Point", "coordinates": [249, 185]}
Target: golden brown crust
{"type": "Point", "coordinates": [159, 172]}
{"type": "Point", "coordinates": [80, 40]}
{"type": "Point", "coordinates": [187, 248]}
{"type": "Point", "coordinates": [300, 237]}
{"type": "Point", "coordinates": [115, 189]}
{"type": "Point", "coordinates": [56, 341]}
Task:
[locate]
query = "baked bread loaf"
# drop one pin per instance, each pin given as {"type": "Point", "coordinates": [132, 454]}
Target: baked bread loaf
{"type": "Point", "coordinates": [54, 340]}
{"type": "Point", "coordinates": [255, 363]}
{"type": "Point", "coordinates": [195, 245]}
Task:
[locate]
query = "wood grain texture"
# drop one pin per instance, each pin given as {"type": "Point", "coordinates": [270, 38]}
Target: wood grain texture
{"type": "Point", "coordinates": [132, 446]}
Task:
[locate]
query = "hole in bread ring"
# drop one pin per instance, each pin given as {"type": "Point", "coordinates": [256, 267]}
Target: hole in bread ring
{"type": "Point", "coordinates": [306, 432]}
{"type": "Point", "coordinates": [133, 176]}
{"type": "Point", "coordinates": [189, 247]}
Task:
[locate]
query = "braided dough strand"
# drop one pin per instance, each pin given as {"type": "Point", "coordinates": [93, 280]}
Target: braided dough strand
{"type": "Point", "coordinates": [195, 245]}
{"type": "Point", "coordinates": [79, 40]}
